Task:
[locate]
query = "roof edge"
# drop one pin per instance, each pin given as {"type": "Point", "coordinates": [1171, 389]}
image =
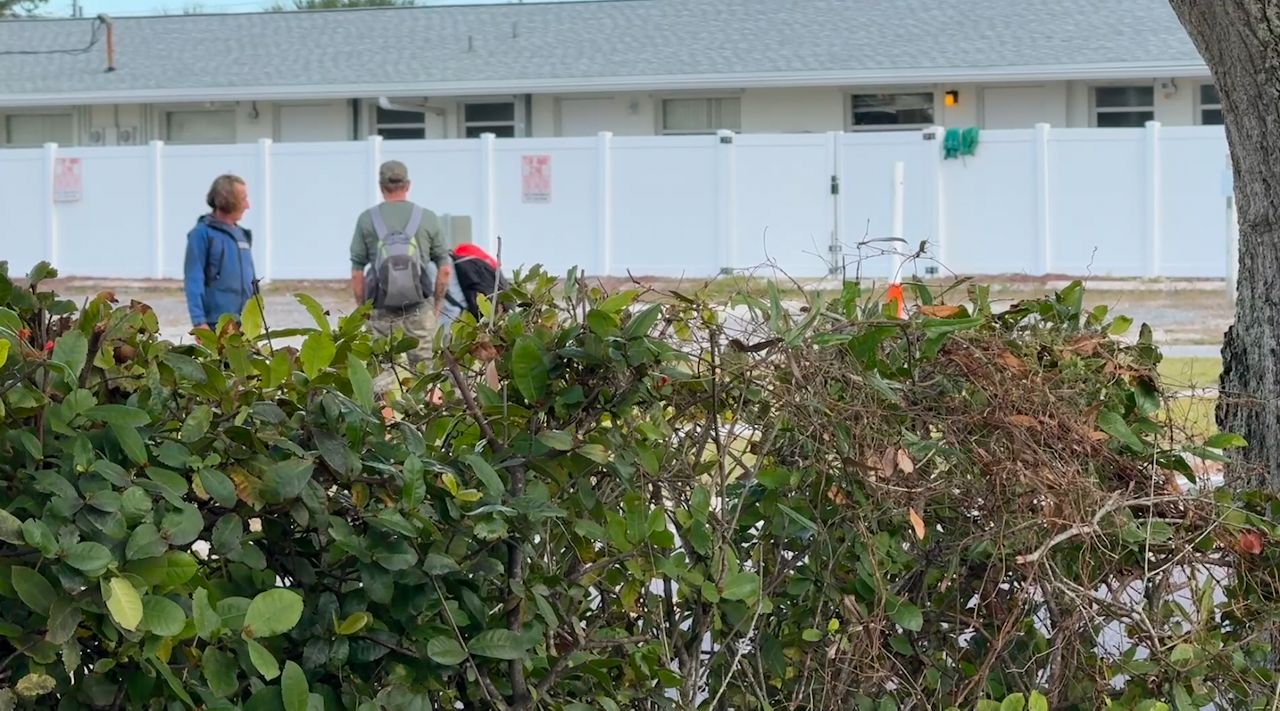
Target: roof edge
{"type": "Point", "coordinates": [872, 77]}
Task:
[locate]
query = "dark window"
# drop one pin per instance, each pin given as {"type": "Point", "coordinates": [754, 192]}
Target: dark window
{"type": "Point", "coordinates": [910, 110]}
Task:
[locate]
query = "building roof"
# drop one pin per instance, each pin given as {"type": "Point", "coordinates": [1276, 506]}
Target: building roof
{"type": "Point", "coordinates": [591, 46]}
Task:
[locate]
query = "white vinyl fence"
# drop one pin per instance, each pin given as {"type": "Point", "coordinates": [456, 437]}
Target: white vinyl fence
{"type": "Point", "coordinates": [1140, 202]}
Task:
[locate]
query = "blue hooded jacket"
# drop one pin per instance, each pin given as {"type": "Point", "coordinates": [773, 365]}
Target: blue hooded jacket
{"type": "Point", "coordinates": [218, 271]}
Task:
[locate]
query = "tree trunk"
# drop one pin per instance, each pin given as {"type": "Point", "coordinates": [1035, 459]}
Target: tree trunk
{"type": "Point", "coordinates": [1240, 41]}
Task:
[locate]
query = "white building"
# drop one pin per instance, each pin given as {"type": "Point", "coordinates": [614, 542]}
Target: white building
{"type": "Point", "coordinates": [633, 67]}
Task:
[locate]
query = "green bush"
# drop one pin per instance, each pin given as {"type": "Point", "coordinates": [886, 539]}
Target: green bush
{"type": "Point", "coordinates": [664, 505]}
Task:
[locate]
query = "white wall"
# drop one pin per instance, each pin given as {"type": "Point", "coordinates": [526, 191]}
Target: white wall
{"type": "Point", "coordinates": [1122, 202]}
{"type": "Point", "coordinates": [794, 110]}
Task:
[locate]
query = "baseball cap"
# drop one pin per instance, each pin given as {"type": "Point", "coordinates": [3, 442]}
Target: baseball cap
{"type": "Point", "coordinates": [393, 171]}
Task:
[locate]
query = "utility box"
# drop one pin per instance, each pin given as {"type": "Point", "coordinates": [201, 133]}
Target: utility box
{"type": "Point", "coordinates": [456, 230]}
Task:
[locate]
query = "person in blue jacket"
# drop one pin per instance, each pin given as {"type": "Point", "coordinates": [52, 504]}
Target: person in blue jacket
{"type": "Point", "coordinates": [218, 274]}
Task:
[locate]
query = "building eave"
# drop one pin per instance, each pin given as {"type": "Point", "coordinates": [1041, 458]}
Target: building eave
{"type": "Point", "coordinates": [871, 77]}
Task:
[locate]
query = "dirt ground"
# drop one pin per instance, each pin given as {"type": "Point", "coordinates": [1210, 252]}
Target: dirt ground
{"type": "Point", "coordinates": [1189, 316]}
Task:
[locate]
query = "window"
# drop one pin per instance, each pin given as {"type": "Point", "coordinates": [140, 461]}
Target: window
{"type": "Point", "coordinates": [1210, 106]}
{"type": "Point", "coordinates": [200, 127]}
{"type": "Point", "coordinates": [396, 125]}
{"type": "Point", "coordinates": [31, 130]}
{"type": "Point", "coordinates": [892, 111]}
{"type": "Point", "coordinates": [694, 116]}
{"type": "Point", "coordinates": [1123, 106]}
{"type": "Point", "coordinates": [496, 117]}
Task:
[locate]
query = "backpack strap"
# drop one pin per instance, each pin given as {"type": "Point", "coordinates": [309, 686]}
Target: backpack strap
{"type": "Point", "coordinates": [415, 221]}
{"type": "Point", "coordinates": [379, 224]}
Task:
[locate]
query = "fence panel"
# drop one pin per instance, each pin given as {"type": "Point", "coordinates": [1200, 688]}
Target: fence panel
{"type": "Point", "coordinates": [990, 209]}
{"type": "Point", "coordinates": [554, 222]}
{"type": "Point", "coordinates": [23, 197]}
{"type": "Point", "coordinates": [665, 197]}
{"type": "Point", "coordinates": [785, 211]}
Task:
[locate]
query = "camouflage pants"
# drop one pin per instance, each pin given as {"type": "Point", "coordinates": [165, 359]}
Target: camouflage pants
{"type": "Point", "coordinates": [419, 323]}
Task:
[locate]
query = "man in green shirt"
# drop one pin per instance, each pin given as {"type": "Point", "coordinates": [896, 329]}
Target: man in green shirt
{"type": "Point", "coordinates": [394, 239]}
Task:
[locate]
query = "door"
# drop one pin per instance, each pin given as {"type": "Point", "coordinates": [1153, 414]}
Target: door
{"type": "Point", "coordinates": [1021, 107]}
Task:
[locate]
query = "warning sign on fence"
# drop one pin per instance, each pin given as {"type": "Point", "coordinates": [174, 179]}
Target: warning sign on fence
{"type": "Point", "coordinates": [68, 181]}
{"type": "Point", "coordinates": [536, 178]}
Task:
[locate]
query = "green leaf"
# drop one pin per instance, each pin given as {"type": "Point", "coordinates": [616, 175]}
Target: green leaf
{"type": "Point", "coordinates": [121, 415]}
{"type": "Point", "coordinates": [263, 660]}
{"type": "Point", "coordinates": [486, 474]}
{"type": "Point", "coordinates": [4, 351]}
{"type": "Point", "coordinates": [167, 673]}
{"type": "Point", "coordinates": [361, 382]}
{"type": "Point", "coordinates": [285, 481]}
{"type": "Point", "coordinates": [355, 622]}
{"type": "Point", "coordinates": [529, 369]}
{"type": "Point", "coordinates": [32, 588]}
{"type": "Point", "coordinates": [1225, 440]}
{"type": "Point", "coordinates": [497, 644]}
{"type": "Point", "coordinates": [145, 542]}
{"type": "Point", "coordinates": [64, 618]}
{"type": "Point", "coordinates": [162, 617]}
{"type": "Point", "coordinates": [1146, 397]}
{"type": "Point", "coordinates": [71, 349]}
{"type": "Point", "coordinates": [183, 525]}
{"type": "Point", "coordinates": [167, 571]}
{"type": "Point", "coordinates": [619, 301]}
{"type": "Point", "coordinates": [906, 615]}
{"type": "Point", "coordinates": [88, 556]}
{"type": "Point", "coordinates": [812, 635]}
{"type": "Point", "coordinates": [252, 318]}
{"type": "Point", "coordinates": [795, 516]}
{"type": "Point", "coordinates": [293, 688]}
{"type": "Point", "coordinates": [11, 529]}
{"type": "Point", "coordinates": [130, 443]}
{"type": "Point", "coordinates": [1038, 702]}
{"type": "Point", "coordinates": [741, 586]}
{"type": "Point", "coordinates": [556, 439]}
{"type": "Point", "coordinates": [218, 486]}
{"type": "Point", "coordinates": [446, 651]}
{"type": "Point", "coordinates": [207, 620]}
{"type": "Point", "coordinates": [642, 323]}
{"type": "Point", "coordinates": [38, 536]}
{"type": "Point", "coordinates": [196, 424]}
{"type": "Point", "coordinates": [314, 308]}
{"type": "Point", "coordinates": [1114, 425]}
{"type": "Point", "coordinates": [317, 353]}
{"type": "Point", "coordinates": [437, 564]}
{"type": "Point", "coordinates": [1119, 326]}
{"type": "Point", "coordinates": [124, 604]}
{"type": "Point", "coordinates": [774, 477]}
{"type": "Point", "coordinates": [273, 612]}
{"type": "Point", "coordinates": [1013, 702]}
{"type": "Point", "coordinates": [220, 671]}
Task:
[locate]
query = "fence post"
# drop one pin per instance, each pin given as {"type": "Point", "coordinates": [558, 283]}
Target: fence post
{"type": "Point", "coordinates": [53, 247]}
{"type": "Point", "coordinates": [726, 209]}
{"type": "Point", "coordinates": [1152, 198]}
{"type": "Point", "coordinates": [1044, 231]}
{"type": "Point", "coordinates": [604, 202]}
{"type": "Point", "coordinates": [375, 162]}
{"type": "Point", "coordinates": [835, 250]}
{"type": "Point", "coordinates": [264, 209]}
{"type": "Point", "coordinates": [939, 237]}
{"type": "Point", "coordinates": [488, 218]}
{"type": "Point", "coordinates": [157, 207]}
{"type": "Point", "coordinates": [897, 224]}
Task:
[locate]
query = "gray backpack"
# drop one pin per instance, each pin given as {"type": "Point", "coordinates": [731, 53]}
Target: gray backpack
{"type": "Point", "coordinates": [397, 267]}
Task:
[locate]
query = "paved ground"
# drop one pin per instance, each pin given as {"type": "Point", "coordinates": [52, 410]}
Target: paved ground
{"type": "Point", "coordinates": [1188, 317]}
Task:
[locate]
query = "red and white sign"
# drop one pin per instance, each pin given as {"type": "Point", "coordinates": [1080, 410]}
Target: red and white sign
{"type": "Point", "coordinates": [535, 178]}
{"type": "Point", "coordinates": [68, 180]}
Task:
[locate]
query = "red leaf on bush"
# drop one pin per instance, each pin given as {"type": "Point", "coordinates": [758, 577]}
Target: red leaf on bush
{"type": "Point", "coordinates": [1250, 542]}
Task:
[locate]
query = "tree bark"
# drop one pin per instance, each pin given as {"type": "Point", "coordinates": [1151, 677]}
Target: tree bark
{"type": "Point", "coordinates": [1240, 41]}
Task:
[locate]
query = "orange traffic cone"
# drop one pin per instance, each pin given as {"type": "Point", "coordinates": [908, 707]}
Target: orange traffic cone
{"type": "Point", "coordinates": [894, 295]}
